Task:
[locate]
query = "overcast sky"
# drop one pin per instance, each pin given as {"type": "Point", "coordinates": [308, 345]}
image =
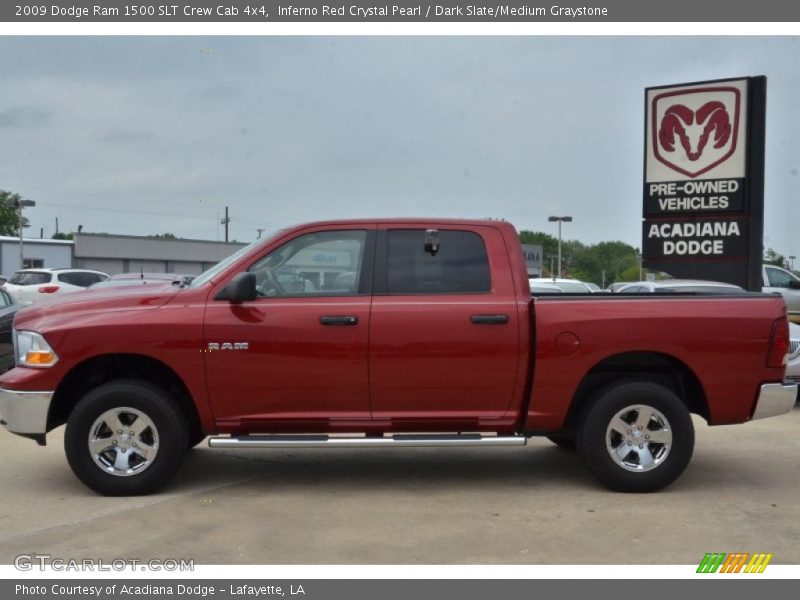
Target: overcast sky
{"type": "Point", "coordinates": [159, 134]}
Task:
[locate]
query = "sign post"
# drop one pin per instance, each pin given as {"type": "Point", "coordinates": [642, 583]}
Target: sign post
{"type": "Point", "coordinates": [704, 180]}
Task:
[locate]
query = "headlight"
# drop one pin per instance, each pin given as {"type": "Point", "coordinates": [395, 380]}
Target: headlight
{"type": "Point", "coordinates": [32, 350]}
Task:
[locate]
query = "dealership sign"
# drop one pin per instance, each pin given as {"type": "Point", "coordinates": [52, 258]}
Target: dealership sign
{"type": "Point", "coordinates": [703, 180]}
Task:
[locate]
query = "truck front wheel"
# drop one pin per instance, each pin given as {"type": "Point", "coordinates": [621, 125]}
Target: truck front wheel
{"type": "Point", "coordinates": [636, 436]}
{"type": "Point", "coordinates": [126, 438]}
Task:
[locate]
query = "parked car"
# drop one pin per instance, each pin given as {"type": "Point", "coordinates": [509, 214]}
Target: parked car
{"type": "Point", "coordinates": [593, 286]}
{"type": "Point", "coordinates": [439, 344]}
{"type": "Point", "coordinates": [128, 279]}
{"type": "Point", "coordinates": [544, 287]}
{"type": "Point", "coordinates": [683, 286]}
{"type": "Point", "coordinates": [793, 359]}
{"type": "Point", "coordinates": [32, 285]}
{"type": "Point", "coordinates": [787, 284]}
{"type": "Point", "coordinates": [614, 287]}
{"type": "Point", "coordinates": [568, 286]}
{"type": "Point", "coordinates": [8, 308]}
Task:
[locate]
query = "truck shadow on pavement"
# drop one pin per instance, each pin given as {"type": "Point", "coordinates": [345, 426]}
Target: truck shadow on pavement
{"type": "Point", "coordinates": [389, 469]}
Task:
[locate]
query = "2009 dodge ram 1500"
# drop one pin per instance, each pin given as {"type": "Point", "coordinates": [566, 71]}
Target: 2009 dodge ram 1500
{"type": "Point", "coordinates": [387, 333]}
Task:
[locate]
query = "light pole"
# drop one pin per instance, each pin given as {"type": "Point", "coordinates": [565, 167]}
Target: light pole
{"type": "Point", "coordinates": [560, 220]}
{"type": "Point", "coordinates": [791, 264]}
{"type": "Point", "coordinates": [18, 203]}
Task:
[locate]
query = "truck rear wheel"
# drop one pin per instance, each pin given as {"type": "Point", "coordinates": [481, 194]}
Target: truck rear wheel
{"type": "Point", "coordinates": [126, 438]}
{"type": "Point", "coordinates": [636, 436]}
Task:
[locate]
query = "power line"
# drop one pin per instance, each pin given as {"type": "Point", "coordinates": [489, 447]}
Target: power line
{"type": "Point", "coordinates": [123, 198]}
{"type": "Point", "coordinates": [126, 210]}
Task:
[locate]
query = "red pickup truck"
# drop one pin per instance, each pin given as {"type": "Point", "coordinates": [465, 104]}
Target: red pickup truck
{"type": "Point", "coordinates": [387, 333]}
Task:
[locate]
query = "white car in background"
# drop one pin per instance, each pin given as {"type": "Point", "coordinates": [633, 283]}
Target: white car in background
{"type": "Point", "coordinates": [677, 286]}
{"type": "Point", "coordinates": [28, 286]}
{"type": "Point", "coordinates": [793, 360]}
{"type": "Point", "coordinates": [568, 286]}
{"type": "Point", "coordinates": [544, 287]}
{"type": "Point", "coordinates": [787, 284]}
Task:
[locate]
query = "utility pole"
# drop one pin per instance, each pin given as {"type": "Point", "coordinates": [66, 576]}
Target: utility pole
{"type": "Point", "coordinates": [56, 224]}
{"type": "Point", "coordinates": [225, 222]}
{"type": "Point", "coordinates": [560, 220]}
{"type": "Point", "coordinates": [260, 231]}
{"type": "Point", "coordinates": [18, 203]}
{"type": "Point", "coordinates": [641, 276]}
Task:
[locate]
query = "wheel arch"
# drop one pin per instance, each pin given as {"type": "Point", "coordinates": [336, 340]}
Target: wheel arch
{"type": "Point", "coordinates": [101, 369]}
{"type": "Point", "coordinates": [645, 365]}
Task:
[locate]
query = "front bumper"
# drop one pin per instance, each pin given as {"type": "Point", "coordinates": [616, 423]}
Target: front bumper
{"type": "Point", "coordinates": [24, 413]}
{"type": "Point", "coordinates": [775, 399]}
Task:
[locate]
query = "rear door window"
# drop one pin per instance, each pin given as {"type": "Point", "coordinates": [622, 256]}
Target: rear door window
{"type": "Point", "coordinates": [460, 265]}
{"type": "Point", "coordinates": [80, 279]}
{"type": "Point", "coordinates": [30, 278]}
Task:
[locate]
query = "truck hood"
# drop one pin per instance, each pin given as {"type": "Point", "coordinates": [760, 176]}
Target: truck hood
{"type": "Point", "coordinates": [94, 302]}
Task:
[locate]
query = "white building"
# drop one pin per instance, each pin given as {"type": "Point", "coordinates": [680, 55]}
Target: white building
{"type": "Point", "coordinates": [53, 254]}
{"type": "Point", "coordinates": [114, 254]}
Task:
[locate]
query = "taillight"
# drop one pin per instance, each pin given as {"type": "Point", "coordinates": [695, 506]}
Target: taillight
{"type": "Point", "coordinates": [778, 343]}
{"type": "Point", "coordinates": [49, 289]}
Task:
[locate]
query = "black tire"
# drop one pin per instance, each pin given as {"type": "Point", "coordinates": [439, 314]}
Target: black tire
{"type": "Point", "coordinates": [594, 443]}
{"type": "Point", "coordinates": [156, 405]}
{"type": "Point", "coordinates": [565, 441]}
{"type": "Point", "coordinates": [196, 437]}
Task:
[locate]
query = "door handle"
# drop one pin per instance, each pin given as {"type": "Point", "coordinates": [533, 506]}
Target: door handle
{"type": "Point", "coordinates": [489, 319]}
{"type": "Point", "coordinates": [341, 321]}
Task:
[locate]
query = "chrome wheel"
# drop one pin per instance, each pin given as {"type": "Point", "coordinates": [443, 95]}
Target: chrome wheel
{"type": "Point", "coordinates": [123, 441]}
{"type": "Point", "coordinates": [639, 438]}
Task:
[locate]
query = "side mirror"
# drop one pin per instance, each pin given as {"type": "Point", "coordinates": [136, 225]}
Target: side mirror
{"type": "Point", "coordinates": [242, 288]}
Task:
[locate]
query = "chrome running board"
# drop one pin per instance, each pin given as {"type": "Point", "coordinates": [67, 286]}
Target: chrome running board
{"type": "Point", "coordinates": [324, 441]}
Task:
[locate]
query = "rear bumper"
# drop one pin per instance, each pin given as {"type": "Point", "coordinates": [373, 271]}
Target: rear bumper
{"type": "Point", "coordinates": [24, 413]}
{"type": "Point", "coordinates": [775, 399]}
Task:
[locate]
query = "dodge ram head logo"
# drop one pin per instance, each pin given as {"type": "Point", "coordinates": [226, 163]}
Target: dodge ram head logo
{"type": "Point", "coordinates": [695, 130]}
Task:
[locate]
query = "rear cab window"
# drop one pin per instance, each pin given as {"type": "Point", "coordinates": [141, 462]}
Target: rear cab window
{"type": "Point", "coordinates": [460, 264]}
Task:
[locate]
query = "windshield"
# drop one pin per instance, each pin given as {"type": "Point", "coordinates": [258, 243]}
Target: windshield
{"type": "Point", "coordinates": [209, 275]}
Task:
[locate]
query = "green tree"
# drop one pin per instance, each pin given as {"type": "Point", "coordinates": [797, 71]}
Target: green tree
{"type": "Point", "coordinates": [585, 262]}
{"type": "Point", "coordinates": [771, 257]}
{"type": "Point", "coordinates": [9, 217]}
{"type": "Point", "coordinates": [62, 236]}
{"type": "Point", "coordinates": [569, 249]}
{"type": "Point", "coordinates": [615, 258]}
{"type": "Point", "coordinates": [164, 236]}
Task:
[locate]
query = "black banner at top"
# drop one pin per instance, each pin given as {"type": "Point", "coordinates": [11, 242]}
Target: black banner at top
{"type": "Point", "coordinates": [255, 11]}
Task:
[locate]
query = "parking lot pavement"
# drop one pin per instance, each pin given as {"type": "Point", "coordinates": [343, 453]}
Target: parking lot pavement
{"type": "Point", "coordinates": [402, 506]}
